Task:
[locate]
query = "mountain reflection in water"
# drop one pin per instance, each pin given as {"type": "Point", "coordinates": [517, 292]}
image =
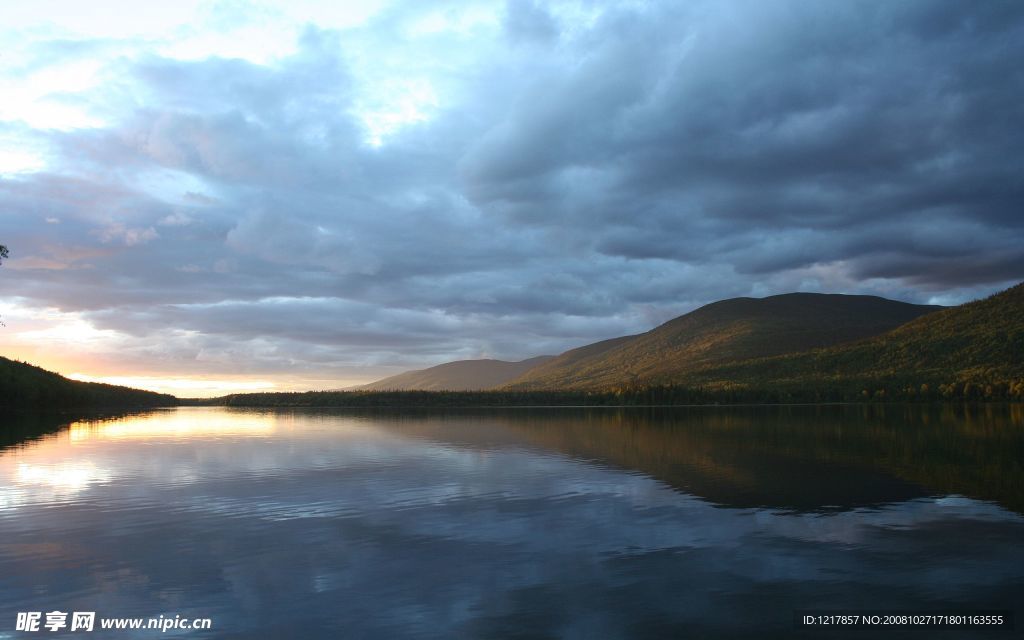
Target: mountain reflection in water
{"type": "Point", "coordinates": [706, 522]}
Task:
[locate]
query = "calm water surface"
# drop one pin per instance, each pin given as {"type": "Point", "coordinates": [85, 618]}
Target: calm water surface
{"type": "Point", "coordinates": [715, 522]}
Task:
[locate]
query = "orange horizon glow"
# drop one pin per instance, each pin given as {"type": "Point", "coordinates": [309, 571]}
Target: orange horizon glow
{"type": "Point", "coordinates": [77, 367]}
{"type": "Point", "coordinates": [181, 386]}
{"type": "Point", "coordinates": [68, 344]}
{"type": "Point", "coordinates": [93, 368]}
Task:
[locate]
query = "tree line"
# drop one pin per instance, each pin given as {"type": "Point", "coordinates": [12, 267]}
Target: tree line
{"type": "Point", "coordinates": [645, 395]}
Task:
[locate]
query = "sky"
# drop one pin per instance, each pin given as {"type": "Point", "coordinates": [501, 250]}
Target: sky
{"type": "Point", "coordinates": [204, 197]}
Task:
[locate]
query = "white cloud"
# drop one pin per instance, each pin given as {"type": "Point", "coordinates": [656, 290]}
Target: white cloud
{"type": "Point", "coordinates": [176, 219]}
{"type": "Point", "coordinates": [128, 236]}
{"type": "Point", "coordinates": [13, 161]}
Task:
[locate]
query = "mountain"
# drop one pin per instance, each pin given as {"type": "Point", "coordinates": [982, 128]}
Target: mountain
{"type": "Point", "coordinates": [723, 332]}
{"type": "Point", "coordinates": [973, 351]}
{"type": "Point", "coordinates": [461, 375]}
{"type": "Point", "coordinates": [961, 351]}
{"type": "Point", "coordinates": [563, 365]}
{"type": "Point", "coordinates": [26, 386]}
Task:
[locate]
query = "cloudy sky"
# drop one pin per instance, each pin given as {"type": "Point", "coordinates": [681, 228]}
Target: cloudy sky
{"type": "Point", "coordinates": [206, 196]}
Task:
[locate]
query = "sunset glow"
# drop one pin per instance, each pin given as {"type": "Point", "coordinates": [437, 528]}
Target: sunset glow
{"type": "Point", "coordinates": [621, 319]}
{"type": "Point", "coordinates": [172, 425]}
{"type": "Point", "coordinates": [217, 196]}
{"type": "Point", "coordinates": [183, 387]}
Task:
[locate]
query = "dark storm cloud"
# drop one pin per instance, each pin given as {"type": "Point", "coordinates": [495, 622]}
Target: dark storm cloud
{"type": "Point", "coordinates": [780, 118]}
{"type": "Point", "coordinates": [585, 175]}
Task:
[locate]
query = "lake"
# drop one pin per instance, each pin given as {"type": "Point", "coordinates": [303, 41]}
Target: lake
{"type": "Point", "coordinates": [518, 523]}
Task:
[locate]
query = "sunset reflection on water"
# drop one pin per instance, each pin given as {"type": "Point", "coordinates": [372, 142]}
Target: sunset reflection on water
{"type": "Point", "coordinates": [177, 424]}
{"type": "Point", "coordinates": [544, 523]}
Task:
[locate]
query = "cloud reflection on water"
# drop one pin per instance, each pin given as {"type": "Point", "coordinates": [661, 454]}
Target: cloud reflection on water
{"type": "Point", "coordinates": [371, 525]}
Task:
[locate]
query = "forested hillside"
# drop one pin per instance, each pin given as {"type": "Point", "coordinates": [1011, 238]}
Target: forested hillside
{"type": "Point", "coordinates": [972, 350]}
{"type": "Point", "coordinates": [722, 332]}
{"type": "Point", "coordinates": [461, 375]}
{"type": "Point", "coordinates": [26, 386]}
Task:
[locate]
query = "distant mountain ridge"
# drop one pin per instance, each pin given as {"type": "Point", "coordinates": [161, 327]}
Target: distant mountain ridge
{"type": "Point", "coordinates": [979, 344]}
{"type": "Point", "coordinates": [733, 330]}
{"type": "Point", "coordinates": [974, 351]}
{"type": "Point", "coordinates": [461, 375]}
